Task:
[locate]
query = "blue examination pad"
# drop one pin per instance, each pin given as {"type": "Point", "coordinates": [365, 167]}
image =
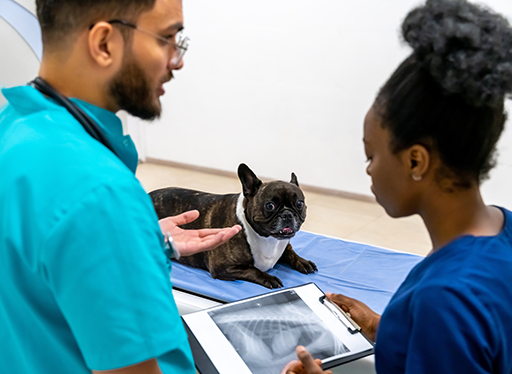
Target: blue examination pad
{"type": "Point", "coordinates": [364, 272]}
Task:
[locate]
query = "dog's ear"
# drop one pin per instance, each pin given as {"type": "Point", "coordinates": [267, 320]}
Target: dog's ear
{"type": "Point", "coordinates": [294, 180]}
{"type": "Point", "coordinates": [250, 182]}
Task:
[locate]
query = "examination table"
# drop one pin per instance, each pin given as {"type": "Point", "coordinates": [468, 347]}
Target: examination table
{"type": "Point", "coordinates": [361, 271]}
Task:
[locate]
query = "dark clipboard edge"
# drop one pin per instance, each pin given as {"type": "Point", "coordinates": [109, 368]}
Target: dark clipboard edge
{"type": "Point", "coordinates": [201, 296]}
{"type": "Point", "coordinates": [205, 366]}
{"type": "Point", "coordinates": [347, 359]}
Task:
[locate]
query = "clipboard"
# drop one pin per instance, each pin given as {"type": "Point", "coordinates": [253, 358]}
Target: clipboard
{"type": "Point", "coordinates": [258, 335]}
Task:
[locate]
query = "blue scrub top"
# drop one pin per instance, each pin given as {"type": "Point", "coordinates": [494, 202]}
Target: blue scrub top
{"type": "Point", "coordinates": [83, 277]}
{"type": "Point", "coordinates": [453, 313]}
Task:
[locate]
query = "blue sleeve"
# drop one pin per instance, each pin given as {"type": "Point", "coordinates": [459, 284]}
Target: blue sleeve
{"type": "Point", "coordinates": [105, 265]}
{"type": "Point", "coordinates": [451, 333]}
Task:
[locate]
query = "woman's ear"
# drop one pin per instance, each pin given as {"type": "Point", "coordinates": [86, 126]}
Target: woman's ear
{"type": "Point", "coordinates": [105, 44]}
{"type": "Point", "coordinates": [418, 160]}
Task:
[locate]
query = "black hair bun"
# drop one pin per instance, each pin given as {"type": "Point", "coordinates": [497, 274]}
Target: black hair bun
{"type": "Point", "coordinates": [465, 47]}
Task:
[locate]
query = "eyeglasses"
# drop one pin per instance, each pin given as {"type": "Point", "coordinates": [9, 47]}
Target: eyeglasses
{"type": "Point", "coordinates": [180, 46]}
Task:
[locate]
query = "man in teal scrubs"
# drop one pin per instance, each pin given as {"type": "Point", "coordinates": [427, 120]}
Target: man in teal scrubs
{"type": "Point", "coordinates": [83, 279]}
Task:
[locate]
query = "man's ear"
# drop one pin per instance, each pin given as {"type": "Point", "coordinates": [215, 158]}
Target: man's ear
{"type": "Point", "coordinates": [418, 161]}
{"type": "Point", "coordinates": [250, 182]}
{"type": "Point", "coordinates": [105, 44]}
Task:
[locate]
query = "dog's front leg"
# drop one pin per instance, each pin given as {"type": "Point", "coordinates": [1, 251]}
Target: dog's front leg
{"type": "Point", "coordinates": [247, 273]}
{"type": "Point", "coordinates": [296, 262]}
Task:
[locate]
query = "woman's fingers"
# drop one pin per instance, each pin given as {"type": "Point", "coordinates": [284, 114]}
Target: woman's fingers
{"type": "Point", "coordinates": [310, 365]}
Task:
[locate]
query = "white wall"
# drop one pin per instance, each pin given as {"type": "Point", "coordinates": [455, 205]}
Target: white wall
{"type": "Point", "coordinates": [282, 85]}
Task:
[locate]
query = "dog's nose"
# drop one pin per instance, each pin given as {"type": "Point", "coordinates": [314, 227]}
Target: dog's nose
{"type": "Point", "coordinates": [287, 215]}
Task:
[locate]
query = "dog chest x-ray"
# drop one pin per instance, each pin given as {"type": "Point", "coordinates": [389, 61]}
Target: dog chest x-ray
{"type": "Point", "coordinates": [265, 332]}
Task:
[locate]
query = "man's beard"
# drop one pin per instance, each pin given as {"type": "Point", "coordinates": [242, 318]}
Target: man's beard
{"type": "Point", "coordinates": [132, 92]}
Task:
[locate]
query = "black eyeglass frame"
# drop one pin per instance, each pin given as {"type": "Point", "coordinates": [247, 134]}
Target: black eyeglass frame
{"type": "Point", "coordinates": [181, 46]}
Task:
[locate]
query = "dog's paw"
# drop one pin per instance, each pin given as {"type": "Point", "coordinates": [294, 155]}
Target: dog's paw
{"type": "Point", "coordinates": [304, 266]}
{"type": "Point", "coordinates": [271, 282]}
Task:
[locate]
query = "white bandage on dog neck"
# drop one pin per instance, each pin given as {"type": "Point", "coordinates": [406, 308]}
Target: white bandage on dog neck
{"type": "Point", "coordinates": [265, 251]}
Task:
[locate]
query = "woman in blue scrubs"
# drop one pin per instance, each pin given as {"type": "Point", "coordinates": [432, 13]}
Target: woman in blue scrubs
{"type": "Point", "coordinates": [430, 139]}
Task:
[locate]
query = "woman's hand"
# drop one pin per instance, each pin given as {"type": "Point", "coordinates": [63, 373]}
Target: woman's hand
{"type": "Point", "coordinates": [188, 242]}
{"type": "Point", "coordinates": [359, 312]}
{"type": "Point", "coordinates": [306, 365]}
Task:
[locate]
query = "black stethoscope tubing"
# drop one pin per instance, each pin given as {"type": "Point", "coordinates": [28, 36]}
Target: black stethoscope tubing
{"type": "Point", "coordinates": [83, 118]}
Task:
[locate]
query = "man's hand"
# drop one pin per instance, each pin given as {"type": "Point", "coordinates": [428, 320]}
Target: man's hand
{"type": "Point", "coordinates": [188, 242]}
{"type": "Point", "coordinates": [359, 312]}
{"type": "Point", "coordinates": [306, 365]}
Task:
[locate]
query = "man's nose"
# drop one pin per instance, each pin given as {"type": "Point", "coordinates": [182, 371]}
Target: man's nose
{"type": "Point", "coordinates": [174, 66]}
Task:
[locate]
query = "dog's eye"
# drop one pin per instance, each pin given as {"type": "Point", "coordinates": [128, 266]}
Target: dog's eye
{"type": "Point", "coordinates": [270, 206]}
{"type": "Point", "coordinates": [300, 204]}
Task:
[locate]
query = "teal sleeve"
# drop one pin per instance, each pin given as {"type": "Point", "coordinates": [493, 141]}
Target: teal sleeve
{"type": "Point", "coordinates": [104, 262]}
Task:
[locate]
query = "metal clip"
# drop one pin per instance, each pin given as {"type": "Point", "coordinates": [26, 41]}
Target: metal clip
{"type": "Point", "coordinates": [335, 309]}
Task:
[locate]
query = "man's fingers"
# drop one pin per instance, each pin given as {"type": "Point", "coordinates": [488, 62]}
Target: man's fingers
{"type": "Point", "coordinates": [205, 233]}
{"type": "Point", "coordinates": [185, 217]}
{"type": "Point", "coordinates": [215, 237]}
{"type": "Point", "coordinates": [225, 233]}
{"type": "Point", "coordinates": [231, 231]}
{"type": "Point", "coordinates": [307, 360]}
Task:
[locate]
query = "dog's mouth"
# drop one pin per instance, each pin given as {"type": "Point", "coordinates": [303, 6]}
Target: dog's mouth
{"type": "Point", "coordinates": [284, 233]}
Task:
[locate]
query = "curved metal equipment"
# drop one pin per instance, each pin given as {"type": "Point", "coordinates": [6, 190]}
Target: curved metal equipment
{"type": "Point", "coordinates": [25, 23]}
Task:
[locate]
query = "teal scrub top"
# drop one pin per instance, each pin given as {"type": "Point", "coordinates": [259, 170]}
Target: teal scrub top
{"type": "Point", "coordinates": [83, 278]}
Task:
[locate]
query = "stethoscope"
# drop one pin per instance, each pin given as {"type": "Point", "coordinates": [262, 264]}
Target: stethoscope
{"type": "Point", "coordinates": [83, 118]}
{"type": "Point", "coordinates": [93, 129]}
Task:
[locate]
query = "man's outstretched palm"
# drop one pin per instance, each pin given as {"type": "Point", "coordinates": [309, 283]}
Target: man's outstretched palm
{"type": "Point", "coordinates": [188, 242]}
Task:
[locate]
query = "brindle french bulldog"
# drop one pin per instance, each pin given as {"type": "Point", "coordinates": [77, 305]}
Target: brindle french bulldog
{"type": "Point", "coordinates": [270, 214]}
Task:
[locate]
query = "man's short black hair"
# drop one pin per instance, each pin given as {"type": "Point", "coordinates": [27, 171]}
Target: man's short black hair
{"type": "Point", "coordinates": [62, 18]}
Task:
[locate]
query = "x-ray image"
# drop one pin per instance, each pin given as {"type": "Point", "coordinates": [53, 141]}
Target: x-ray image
{"type": "Point", "coordinates": [265, 332]}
